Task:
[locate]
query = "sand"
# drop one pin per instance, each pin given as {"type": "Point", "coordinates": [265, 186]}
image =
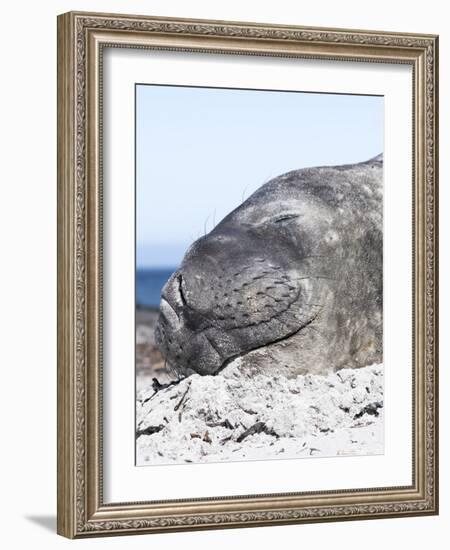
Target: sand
{"type": "Point", "coordinates": [234, 416]}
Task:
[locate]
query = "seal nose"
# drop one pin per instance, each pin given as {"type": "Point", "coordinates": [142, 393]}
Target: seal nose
{"type": "Point", "coordinates": [172, 294]}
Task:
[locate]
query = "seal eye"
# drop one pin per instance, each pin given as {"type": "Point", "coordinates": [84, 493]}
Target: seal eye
{"type": "Point", "coordinates": [285, 218]}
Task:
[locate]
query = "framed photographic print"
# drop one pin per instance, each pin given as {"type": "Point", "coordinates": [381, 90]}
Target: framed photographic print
{"type": "Point", "coordinates": [247, 277]}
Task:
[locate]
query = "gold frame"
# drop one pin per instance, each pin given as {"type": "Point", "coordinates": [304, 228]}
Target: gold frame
{"type": "Point", "coordinates": [81, 38]}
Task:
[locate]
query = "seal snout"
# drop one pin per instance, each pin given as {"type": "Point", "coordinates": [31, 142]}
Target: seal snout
{"type": "Point", "coordinates": [208, 316]}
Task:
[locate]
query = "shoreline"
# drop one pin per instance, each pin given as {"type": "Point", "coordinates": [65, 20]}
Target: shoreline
{"type": "Point", "coordinates": [149, 361]}
{"type": "Point", "coordinates": [145, 307]}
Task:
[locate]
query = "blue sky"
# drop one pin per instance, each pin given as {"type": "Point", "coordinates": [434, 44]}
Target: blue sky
{"type": "Point", "coordinates": [200, 151]}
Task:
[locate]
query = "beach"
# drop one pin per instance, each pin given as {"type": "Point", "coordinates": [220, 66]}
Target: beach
{"type": "Point", "coordinates": [236, 415]}
{"type": "Point", "coordinates": [149, 361]}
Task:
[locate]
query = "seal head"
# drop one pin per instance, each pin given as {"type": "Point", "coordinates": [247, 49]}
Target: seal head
{"type": "Point", "coordinates": [291, 280]}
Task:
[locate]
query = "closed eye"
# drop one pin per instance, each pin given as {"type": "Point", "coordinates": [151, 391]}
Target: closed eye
{"type": "Point", "coordinates": [286, 218]}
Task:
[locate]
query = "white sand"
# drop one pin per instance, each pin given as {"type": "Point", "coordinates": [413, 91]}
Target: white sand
{"type": "Point", "coordinates": [205, 418]}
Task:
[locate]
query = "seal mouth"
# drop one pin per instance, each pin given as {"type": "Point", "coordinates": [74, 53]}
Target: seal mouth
{"type": "Point", "coordinates": [283, 338]}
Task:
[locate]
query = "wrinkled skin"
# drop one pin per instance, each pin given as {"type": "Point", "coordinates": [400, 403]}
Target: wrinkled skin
{"type": "Point", "coordinates": [290, 281]}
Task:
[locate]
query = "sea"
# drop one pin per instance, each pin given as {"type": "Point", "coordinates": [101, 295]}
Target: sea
{"type": "Point", "coordinates": [149, 284]}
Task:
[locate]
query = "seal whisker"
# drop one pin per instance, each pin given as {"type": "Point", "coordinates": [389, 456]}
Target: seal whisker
{"type": "Point", "coordinates": [243, 193]}
{"type": "Point", "coordinates": [205, 225]}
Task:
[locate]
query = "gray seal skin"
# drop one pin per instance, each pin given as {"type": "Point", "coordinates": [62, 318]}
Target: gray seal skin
{"type": "Point", "coordinates": [290, 281]}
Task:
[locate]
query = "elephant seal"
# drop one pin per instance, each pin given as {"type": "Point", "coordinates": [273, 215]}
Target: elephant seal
{"type": "Point", "coordinates": [290, 281]}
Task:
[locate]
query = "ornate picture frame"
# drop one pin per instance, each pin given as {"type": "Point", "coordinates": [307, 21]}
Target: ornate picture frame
{"type": "Point", "coordinates": [82, 40]}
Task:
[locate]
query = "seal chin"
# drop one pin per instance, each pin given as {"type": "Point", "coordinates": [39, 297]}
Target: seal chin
{"type": "Point", "coordinates": [185, 351]}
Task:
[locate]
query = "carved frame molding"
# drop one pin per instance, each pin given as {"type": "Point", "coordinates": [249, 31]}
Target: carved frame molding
{"type": "Point", "coordinates": [81, 39]}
